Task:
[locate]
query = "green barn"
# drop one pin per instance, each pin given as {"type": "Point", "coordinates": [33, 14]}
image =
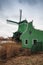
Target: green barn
{"type": "Point", "coordinates": [31, 37]}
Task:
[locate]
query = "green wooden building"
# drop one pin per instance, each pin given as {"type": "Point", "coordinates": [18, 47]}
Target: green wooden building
{"type": "Point", "coordinates": [31, 37]}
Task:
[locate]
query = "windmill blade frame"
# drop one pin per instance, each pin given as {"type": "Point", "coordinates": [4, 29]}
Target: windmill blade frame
{"type": "Point", "coordinates": [10, 21]}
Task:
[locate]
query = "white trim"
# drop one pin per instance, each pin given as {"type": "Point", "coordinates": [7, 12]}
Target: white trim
{"type": "Point", "coordinates": [26, 29]}
{"type": "Point", "coordinates": [25, 42]}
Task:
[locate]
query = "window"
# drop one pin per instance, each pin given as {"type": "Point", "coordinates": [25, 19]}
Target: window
{"type": "Point", "coordinates": [34, 41]}
{"type": "Point", "coordinates": [26, 42]}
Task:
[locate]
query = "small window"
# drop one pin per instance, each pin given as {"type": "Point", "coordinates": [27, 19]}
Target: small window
{"type": "Point", "coordinates": [35, 42]}
{"type": "Point", "coordinates": [26, 42]}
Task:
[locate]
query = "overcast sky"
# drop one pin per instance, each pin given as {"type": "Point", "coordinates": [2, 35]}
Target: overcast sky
{"type": "Point", "coordinates": [9, 9]}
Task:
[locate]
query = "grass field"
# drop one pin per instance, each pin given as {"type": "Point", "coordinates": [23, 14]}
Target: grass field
{"type": "Point", "coordinates": [33, 59]}
{"type": "Point", "coordinates": [25, 60]}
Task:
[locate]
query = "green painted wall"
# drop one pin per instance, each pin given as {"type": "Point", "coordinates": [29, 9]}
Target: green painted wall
{"type": "Point", "coordinates": [30, 34]}
{"type": "Point", "coordinates": [22, 26]}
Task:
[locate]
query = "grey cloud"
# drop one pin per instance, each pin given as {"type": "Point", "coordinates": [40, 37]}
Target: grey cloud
{"type": "Point", "coordinates": [3, 3]}
{"type": "Point", "coordinates": [7, 3]}
{"type": "Point", "coordinates": [41, 1]}
{"type": "Point", "coordinates": [31, 2]}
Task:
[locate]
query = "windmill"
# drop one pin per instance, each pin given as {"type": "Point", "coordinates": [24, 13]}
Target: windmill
{"type": "Point", "coordinates": [17, 34]}
{"type": "Point", "coordinates": [31, 38]}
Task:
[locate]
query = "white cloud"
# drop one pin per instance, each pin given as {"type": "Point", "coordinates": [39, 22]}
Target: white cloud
{"type": "Point", "coordinates": [7, 30]}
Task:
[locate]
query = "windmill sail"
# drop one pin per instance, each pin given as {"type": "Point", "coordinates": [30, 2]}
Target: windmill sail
{"type": "Point", "coordinates": [20, 14]}
{"type": "Point", "coordinates": [10, 21]}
